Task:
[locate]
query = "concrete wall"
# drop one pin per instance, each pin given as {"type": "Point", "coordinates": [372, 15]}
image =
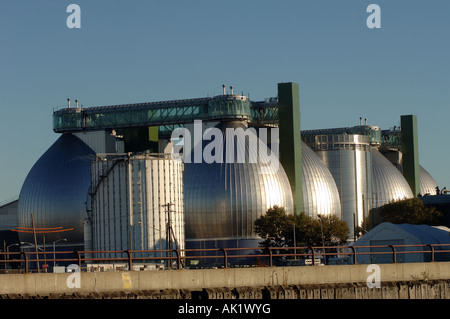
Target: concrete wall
{"type": "Point", "coordinates": [347, 278]}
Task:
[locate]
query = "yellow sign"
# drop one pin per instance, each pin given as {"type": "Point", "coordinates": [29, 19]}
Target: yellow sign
{"type": "Point", "coordinates": [153, 133]}
{"type": "Point", "coordinates": [126, 280]}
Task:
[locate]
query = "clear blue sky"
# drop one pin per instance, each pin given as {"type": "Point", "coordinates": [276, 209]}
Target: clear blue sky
{"type": "Point", "coordinates": [136, 51]}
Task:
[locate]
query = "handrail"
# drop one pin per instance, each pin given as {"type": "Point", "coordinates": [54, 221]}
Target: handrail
{"type": "Point", "coordinates": [27, 258]}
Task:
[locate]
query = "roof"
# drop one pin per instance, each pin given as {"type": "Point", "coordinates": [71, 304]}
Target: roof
{"type": "Point", "coordinates": [423, 234]}
{"type": "Point", "coordinates": [427, 234]}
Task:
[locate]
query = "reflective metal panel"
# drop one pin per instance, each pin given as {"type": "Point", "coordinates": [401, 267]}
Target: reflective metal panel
{"type": "Point", "coordinates": [222, 200]}
{"type": "Point", "coordinates": [55, 191]}
{"type": "Point", "coordinates": [349, 160]}
{"type": "Point", "coordinates": [427, 183]}
{"type": "Point", "coordinates": [387, 181]}
{"type": "Point", "coordinates": [320, 194]}
{"type": "Point", "coordinates": [132, 198]}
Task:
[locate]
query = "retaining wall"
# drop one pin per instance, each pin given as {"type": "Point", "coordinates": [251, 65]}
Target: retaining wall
{"type": "Point", "coordinates": [413, 280]}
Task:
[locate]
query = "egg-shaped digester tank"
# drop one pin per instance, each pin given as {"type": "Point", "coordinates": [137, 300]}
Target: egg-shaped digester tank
{"type": "Point", "coordinates": [223, 200]}
{"type": "Point", "coordinates": [55, 193]}
{"type": "Point", "coordinates": [388, 183]}
{"type": "Point", "coordinates": [427, 183]}
{"type": "Point", "coordinates": [320, 193]}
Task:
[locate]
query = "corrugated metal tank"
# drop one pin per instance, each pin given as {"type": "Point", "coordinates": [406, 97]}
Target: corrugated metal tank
{"type": "Point", "coordinates": [55, 191]}
{"type": "Point", "coordinates": [427, 182]}
{"type": "Point", "coordinates": [348, 157]}
{"type": "Point", "coordinates": [130, 197]}
{"type": "Point", "coordinates": [320, 193]}
{"type": "Point", "coordinates": [223, 200]}
{"type": "Point", "coordinates": [388, 182]}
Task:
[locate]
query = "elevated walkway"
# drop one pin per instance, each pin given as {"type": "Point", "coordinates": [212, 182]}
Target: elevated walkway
{"type": "Point", "coordinates": [175, 112]}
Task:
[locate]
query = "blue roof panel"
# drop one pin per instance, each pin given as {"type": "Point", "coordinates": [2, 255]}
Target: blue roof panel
{"type": "Point", "coordinates": [427, 234]}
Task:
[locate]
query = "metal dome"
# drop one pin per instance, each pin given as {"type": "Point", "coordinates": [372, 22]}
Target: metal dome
{"type": "Point", "coordinates": [223, 200]}
{"type": "Point", "coordinates": [320, 193]}
{"type": "Point", "coordinates": [388, 183]}
{"type": "Point", "coordinates": [427, 183]}
{"type": "Point", "coordinates": [55, 191]}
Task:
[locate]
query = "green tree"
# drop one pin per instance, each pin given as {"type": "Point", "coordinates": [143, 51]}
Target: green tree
{"type": "Point", "coordinates": [279, 229]}
{"type": "Point", "coordinates": [273, 227]}
{"type": "Point", "coordinates": [323, 231]}
{"type": "Point", "coordinates": [410, 211]}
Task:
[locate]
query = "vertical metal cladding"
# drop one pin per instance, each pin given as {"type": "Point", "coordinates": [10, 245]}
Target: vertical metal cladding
{"type": "Point", "coordinates": [131, 200]}
{"type": "Point", "coordinates": [290, 147]}
{"type": "Point", "coordinates": [348, 157]}
{"type": "Point", "coordinates": [223, 200]}
{"type": "Point", "coordinates": [388, 182]}
{"type": "Point", "coordinates": [320, 194]}
{"type": "Point", "coordinates": [410, 150]}
{"type": "Point", "coordinates": [427, 183]}
{"type": "Point", "coordinates": [55, 191]}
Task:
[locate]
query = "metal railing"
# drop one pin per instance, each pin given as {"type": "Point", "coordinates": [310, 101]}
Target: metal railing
{"type": "Point", "coordinates": [19, 262]}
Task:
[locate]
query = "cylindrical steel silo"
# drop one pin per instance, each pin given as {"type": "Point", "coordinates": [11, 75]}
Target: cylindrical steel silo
{"type": "Point", "coordinates": [348, 157]}
{"type": "Point", "coordinates": [137, 204]}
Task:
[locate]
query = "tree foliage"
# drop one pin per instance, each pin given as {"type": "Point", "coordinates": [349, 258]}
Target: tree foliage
{"type": "Point", "coordinates": [410, 211]}
{"type": "Point", "coordinates": [273, 227]}
{"type": "Point", "coordinates": [277, 229]}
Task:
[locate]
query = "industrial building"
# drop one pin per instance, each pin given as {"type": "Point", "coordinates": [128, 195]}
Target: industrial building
{"type": "Point", "coordinates": [54, 192]}
{"type": "Point", "coordinates": [136, 204]}
{"type": "Point", "coordinates": [110, 179]}
{"type": "Point", "coordinates": [408, 238]}
{"type": "Point", "coordinates": [222, 200]}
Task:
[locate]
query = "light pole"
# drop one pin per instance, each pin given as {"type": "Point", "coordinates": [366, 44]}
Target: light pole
{"type": "Point", "coordinates": [321, 228]}
{"type": "Point", "coordinates": [7, 247]}
{"type": "Point", "coordinates": [7, 252]}
{"type": "Point", "coordinates": [25, 242]}
{"type": "Point", "coordinates": [54, 254]}
{"type": "Point", "coordinates": [37, 248]}
{"type": "Point", "coordinates": [295, 244]}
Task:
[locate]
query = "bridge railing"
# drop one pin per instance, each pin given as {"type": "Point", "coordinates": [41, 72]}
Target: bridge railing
{"type": "Point", "coordinates": [27, 261]}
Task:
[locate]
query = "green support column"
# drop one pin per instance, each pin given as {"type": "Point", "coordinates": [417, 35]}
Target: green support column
{"type": "Point", "coordinates": [290, 139]}
{"type": "Point", "coordinates": [410, 150]}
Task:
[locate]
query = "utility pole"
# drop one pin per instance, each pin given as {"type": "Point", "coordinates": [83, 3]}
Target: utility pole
{"type": "Point", "coordinates": [170, 235]}
{"type": "Point", "coordinates": [33, 230]}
